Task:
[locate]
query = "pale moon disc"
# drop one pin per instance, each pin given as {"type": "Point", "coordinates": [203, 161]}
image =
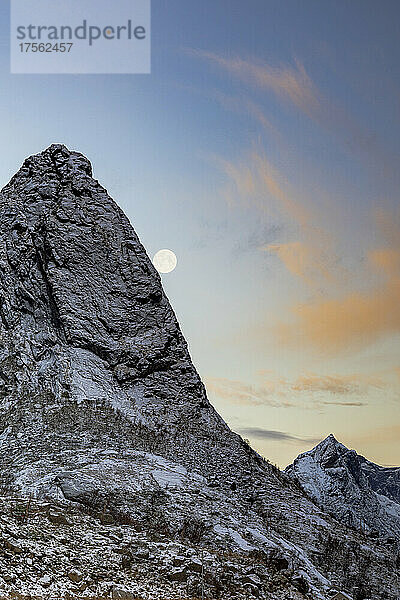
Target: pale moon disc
{"type": "Point", "coordinates": [165, 261]}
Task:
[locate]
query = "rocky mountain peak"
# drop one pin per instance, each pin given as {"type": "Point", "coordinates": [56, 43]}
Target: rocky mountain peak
{"type": "Point", "coordinates": [93, 283]}
{"type": "Point", "coordinates": [330, 439]}
{"type": "Point", "coordinates": [329, 442]}
{"type": "Point", "coordinates": [329, 450]}
{"type": "Point", "coordinates": [350, 487]}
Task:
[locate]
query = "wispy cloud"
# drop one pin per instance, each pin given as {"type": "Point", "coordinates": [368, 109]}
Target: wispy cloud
{"type": "Point", "coordinates": [254, 182]}
{"type": "Point", "coordinates": [270, 183]}
{"type": "Point", "coordinates": [291, 83]}
{"type": "Point", "coordinates": [348, 404]}
{"type": "Point", "coordinates": [262, 235]}
{"type": "Point", "coordinates": [348, 323]}
{"type": "Point", "coordinates": [245, 394]}
{"type": "Point", "coordinates": [278, 436]}
{"type": "Point", "coordinates": [241, 104]}
{"type": "Point", "coordinates": [306, 261]}
{"type": "Point", "coordinates": [244, 105]}
{"type": "Point", "coordinates": [306, 391]}
{"type": "Point", "coordinates": [357, 318]}
{"type": "Point", "coordinates": [337, 384]}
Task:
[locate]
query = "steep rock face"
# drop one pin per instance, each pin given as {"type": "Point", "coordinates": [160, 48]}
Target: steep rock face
{"type": "Point", "coordinates": [350, 487]}
{"type": "Point", "coordinates": [84, 318]}
{"type": "Point", "coordinates": [103, 411]}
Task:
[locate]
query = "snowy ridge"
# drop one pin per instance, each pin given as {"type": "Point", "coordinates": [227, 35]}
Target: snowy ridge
{"type": "Point", "coordinates": [351, 488]}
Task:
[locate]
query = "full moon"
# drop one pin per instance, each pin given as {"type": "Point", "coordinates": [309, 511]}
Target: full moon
{"type": "Point", "coordinates": [164, 261]}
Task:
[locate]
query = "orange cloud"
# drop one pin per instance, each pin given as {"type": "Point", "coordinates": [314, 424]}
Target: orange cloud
{"type": "Point", "coordinates": [255, 182]}
{"type": "Point", "coordinates": [355, 319]}
{"type": "Point", "coordinates": [293, 84]}
{"type": "Point", "coordinates": [307, 391]}
{"type": "Point", "coordinates": [243, 178]}
{"type": "Point", "coordinates": [337, 384]}
{"type": "Point", "coordinates": [302, 260]}
{"type": "Point", "coordinates": [246, 106]}
{"type": "Point", "coordinates": [290, 83]}
{"type": "Point", "coordinates": [386, 259]}
{"type": "Point", "coordinates": [243, 393]}
{"type": "Point", "coordinates": [271, 181]}
{"type": "Point", "coordinates": [344, 319]}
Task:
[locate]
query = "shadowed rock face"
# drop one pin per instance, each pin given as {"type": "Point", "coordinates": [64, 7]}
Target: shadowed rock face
{"type": "Point", "coordinates": [102, 407]}
{"type": "Point", "coordinates": [350, 487]}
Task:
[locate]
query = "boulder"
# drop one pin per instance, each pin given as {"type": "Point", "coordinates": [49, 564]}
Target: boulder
{"type": "Point", "coordinates": [179, 575]}
{"type": "Point", "coordinates": [75, 576]}
{"type": "Point", "coordinates": [13, 546]}
{"type": "Point", "coordinates": [58, 518]}
{"type": "Point", "coordinates": [120, 593]}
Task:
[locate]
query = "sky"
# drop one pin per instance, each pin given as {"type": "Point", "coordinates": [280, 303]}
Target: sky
{"type": "Point", "coordinates": [264, 150]}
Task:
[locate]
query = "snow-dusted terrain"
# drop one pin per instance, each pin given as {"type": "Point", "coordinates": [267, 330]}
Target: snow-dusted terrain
{"type": "Point", "coordinates": [134, 480]}
{"type": "Point", "coordinates": [351, 488]}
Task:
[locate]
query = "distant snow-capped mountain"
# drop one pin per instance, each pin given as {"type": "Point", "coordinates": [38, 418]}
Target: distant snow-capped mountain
{"type": "Point", "coordinates": [351, 488]}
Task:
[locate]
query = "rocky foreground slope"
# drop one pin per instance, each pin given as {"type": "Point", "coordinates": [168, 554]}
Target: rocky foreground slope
{"type": "Point", "coordinates": [350, 487]}
{"type": "Point", "coordinates": [132, 485]}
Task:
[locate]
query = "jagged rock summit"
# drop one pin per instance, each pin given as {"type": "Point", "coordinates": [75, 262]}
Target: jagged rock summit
{"type": "Point", "coordinates": [106, 431]}
{"type": "Point", "coordinates": [350, 487]}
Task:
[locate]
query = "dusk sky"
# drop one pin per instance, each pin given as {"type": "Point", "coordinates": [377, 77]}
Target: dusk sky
{"type": "Point", "coordinates": [264, 150]}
